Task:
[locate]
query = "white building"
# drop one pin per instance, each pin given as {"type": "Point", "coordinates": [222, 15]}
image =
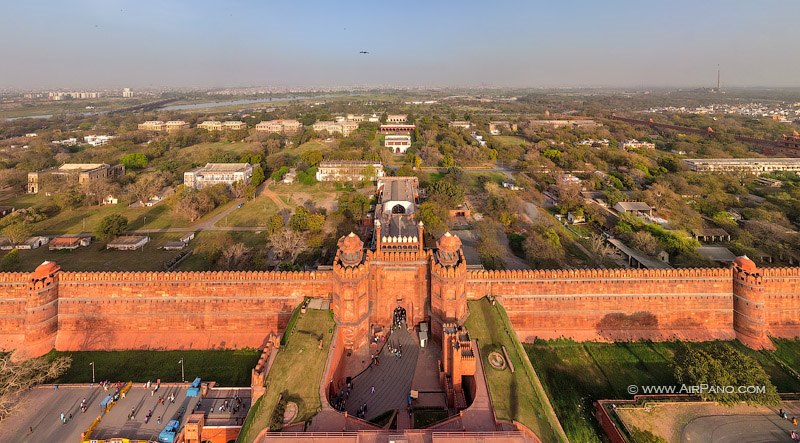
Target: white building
{"type": "Point", "coordinates": [636, 144]}
{"type": "Point", "coordinates": [749, 165]}
{"type": "Point", "coordinates": [98, 140]}
{"type": "Point", "coordinates": [396, 118]}
{"type": "Point", "coordinates": [216, 173]}
{"type": "Point", "coordinates": [398, 144]}
{"type": "Point", "coordinates": [127, 93]}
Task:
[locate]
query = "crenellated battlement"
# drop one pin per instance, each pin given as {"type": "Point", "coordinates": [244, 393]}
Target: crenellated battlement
{"type": "Point", "coordinates": [580, 274]}
{"type": "Point", "coordinates": [192, 276]}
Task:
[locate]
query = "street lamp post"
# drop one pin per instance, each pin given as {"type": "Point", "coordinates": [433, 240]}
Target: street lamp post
{"type": "Point", "coordinates": [92, 365]}
{"type": "Point", "coordinates": [183, 376]}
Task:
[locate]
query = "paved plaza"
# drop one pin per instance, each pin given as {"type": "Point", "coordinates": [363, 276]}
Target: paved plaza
{"type": "Point", "coordinates": [391, 379]}
{"type": "Point", "coordinates": [41, 410]}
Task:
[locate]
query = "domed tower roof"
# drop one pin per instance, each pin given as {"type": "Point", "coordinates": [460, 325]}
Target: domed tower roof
{"type": "Point", "coordinates": [745, 264]}
{"type": "Point", "coordinates": [351, 249]}
{"type": "Point", "coordinates": [448, 247]}
{"type": "Point", "coordinates": [46, 269]}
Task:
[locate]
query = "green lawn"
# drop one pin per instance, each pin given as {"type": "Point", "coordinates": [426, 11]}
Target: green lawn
{"type": "Point", "coordinates": [297, 370]}
{"type": "Point", "coordinates": [509, 140]}
{"type": "Point", "coordinates": [514, 396]}
{"type": "Point", "coordinates": [311, 145]}
{"type": "Point", "coordinates": [200, 262]}
{"type": "Point", "coordinates": [96, 257]}
{"type": "Point", "coordinates": [254, 213]}
{"type": "Point", "coordinates": [576, 374]}
{"type": "Point", "coordinates": [227, 368]}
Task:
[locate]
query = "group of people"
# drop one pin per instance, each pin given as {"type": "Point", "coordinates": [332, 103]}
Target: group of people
{"type": "Point", "coordinates": [398, 351]}
{"type": "Point", "coordinates": [362, 411]}
{"type": "Point", "coordinates": [794, 435]}
{"type": "Point", "coordinates": [340, 402]}
{"type": "Point", "coordinates": [232, 405]}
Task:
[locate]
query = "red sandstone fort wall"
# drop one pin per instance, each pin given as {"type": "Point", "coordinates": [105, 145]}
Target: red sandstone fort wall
{"type": "Point", "coordinates": [13, 291]}
{"type": "Point", "coordinates": [782, 301]}
{"type": "Point", "coordinates": [179, 310]}
{"type": "Point", "coordinates": [629, 304]}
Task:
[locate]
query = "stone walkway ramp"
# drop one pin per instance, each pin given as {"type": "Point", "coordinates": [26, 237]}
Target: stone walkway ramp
{"type": "Point", "coordinates": [391, 379]}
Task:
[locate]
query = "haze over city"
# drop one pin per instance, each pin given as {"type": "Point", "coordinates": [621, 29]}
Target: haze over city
{"type": "Point", "coordinates": [415, 43]}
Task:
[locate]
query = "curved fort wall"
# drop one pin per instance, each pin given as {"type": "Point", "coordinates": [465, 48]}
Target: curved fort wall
{"type": "Point", "coordinates": [205, 310]}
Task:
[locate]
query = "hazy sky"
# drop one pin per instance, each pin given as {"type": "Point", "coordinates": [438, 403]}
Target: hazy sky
{"type": "Point", "coordinates": [111, 43]}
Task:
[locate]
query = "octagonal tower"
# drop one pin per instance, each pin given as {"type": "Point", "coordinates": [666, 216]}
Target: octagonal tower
{"type": "Point", "coordinates": [350, 301]}
{"type": "Point", "coordinates": [448, 280]}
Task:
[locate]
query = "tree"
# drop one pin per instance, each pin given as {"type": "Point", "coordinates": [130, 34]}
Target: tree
{"type": "Point", "coordinates": [353, 205]}
{"type": "Point", "coordinates": [543, 249]}
{"type": "Point", "coordinates": [446, 193]}
{"type": "Point", "coordinates": [304, 220]}
{"type": "Point", "coordinates": [111, 226]}
{"type": "Point", "coordinates": [147, 186]}
{"type": "Point", "coordinates": [645, 242]}
{"type": "Point", "coordinates": [234, 256]}
{"type": "Point", "coordinates": [17, 378]}
{"type": "Point", "coordinates": [274, 223]}
{"type": "Point", "coordinates": [311, 158]}
{"type": "Point", "coordinates": [17, 232]}
{"type": "Point", "coordinates": [193, 205]}
{"type": "Point", "coordinates": [278, 174]}
{"type": "Point", "coordinates": [434, 217]}
{"type": "Point", "coordinates": [258, 176]}
{"type": "Point", "coordinates": [288, 243]}
{"type": "Point", "coordinates": [722, 366]}
{"type": "Point", "coordinates": [135, 160]}
{"type": "Point", "coordinates": [10, 261]}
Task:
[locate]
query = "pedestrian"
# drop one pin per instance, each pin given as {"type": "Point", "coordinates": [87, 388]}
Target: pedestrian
{"type": "Point", "coordinates": [373, 389]}
{"type": "Point", "coordinates": [780, 412]}
{"type": "Point", "coordinates": [62, 417]}
{"type": "Point", "coordinates": [30, 430]}
{"type": "Point", "coordinates": [794, 421]}
{"type": "Point", "coordinates": [70, 417]}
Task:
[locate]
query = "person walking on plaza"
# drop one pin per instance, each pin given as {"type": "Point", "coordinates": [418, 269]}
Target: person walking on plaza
{"type": "Point", "coordinates": [373, 389]}
{"type": "Point", "coordinates": [63, 418]}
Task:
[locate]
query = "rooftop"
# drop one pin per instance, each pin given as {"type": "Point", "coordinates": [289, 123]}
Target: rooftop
{"type": "Point", "coordinates": [223, 167]}
{"type": "Point", "coordinates": [634, 206]}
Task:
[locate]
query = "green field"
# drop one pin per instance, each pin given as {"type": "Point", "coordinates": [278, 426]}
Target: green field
{"type": "Point", "coordinates": [96, 257]}
{"type": "Point", "coordinates": [509, 140]}
{"type": "Point", "coordinates": [576, 374]}
{"type": "Point", "coordinates": [254, 213]}
{"type": "Point", "coordinates": [227, 368]}
{"type": "Point", "coordinates": [514, 396]}
{"type": "Point", "coordinates": [297, 370]}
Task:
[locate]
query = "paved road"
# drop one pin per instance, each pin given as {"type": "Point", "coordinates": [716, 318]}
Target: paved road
{"type": "Point", "coordinates": [738, 429]}
{"type": "Point", "coordinates": [391, 378]}
{"type": "Point", "coordinates": [42, 407]}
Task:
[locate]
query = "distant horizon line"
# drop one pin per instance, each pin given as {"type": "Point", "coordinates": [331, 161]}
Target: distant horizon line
{"type": "Point", "coordinates": [312, 88]}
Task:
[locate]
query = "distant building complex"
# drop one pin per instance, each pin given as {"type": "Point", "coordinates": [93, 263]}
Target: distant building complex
{"type": "Point", "coordinates": [215, 125]}
{"type": "Point", "coordinates": [159, 126]}
{"type": "Point", "coordinates": [216, 173]}
{"type": "Point", "coordinates": [283, 126]}
{"type": "Point", "coordinates": [343, 127]}
{"type": "Point", "coordinates": [341, 171]}
{"type": "Point", "coordinates": [748, 165]}
{"type": "Point", "coordinates": [81, 173]}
